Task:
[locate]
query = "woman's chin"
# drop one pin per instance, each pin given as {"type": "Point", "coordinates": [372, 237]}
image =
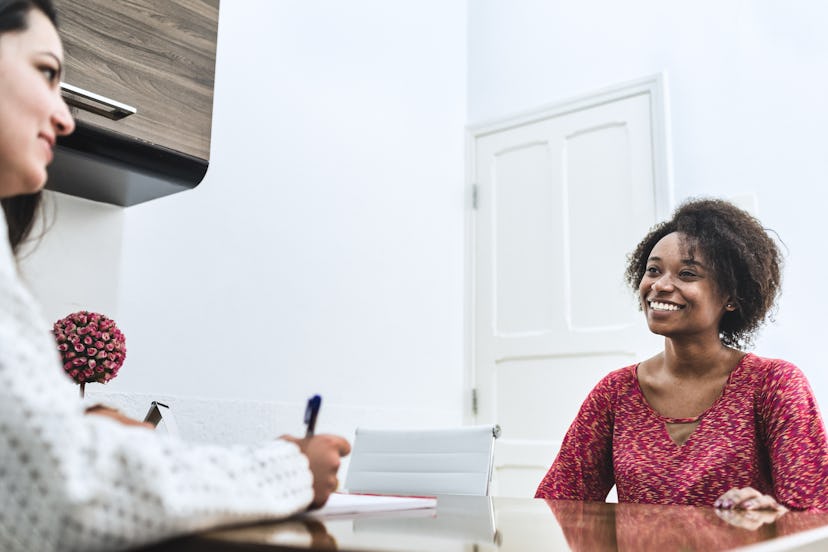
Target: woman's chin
{"type": "Point", "coordinates": [36, 183]}
{"type": "Point", "coordinates": [656, 329]}
{"type": "Point", "coordinates": [23, 188]}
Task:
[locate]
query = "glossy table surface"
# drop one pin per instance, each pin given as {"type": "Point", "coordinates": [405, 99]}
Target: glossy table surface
{"type": "Point", "coordinates": [481, 524]}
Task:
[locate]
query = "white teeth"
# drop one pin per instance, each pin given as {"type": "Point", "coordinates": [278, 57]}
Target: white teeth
{"type": "Point", "coordinates": [663, 306]}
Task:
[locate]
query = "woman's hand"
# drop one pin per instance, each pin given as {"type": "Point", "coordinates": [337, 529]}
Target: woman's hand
{"type": "Point", "coordinates": [748, 498]}
{"type": "Point", "coordinates": [323, 452]}
{"type": "Point", "coordinates": [749, 519]}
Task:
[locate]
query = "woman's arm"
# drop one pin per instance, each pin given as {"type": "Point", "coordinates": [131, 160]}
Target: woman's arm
{"type": "Point", "coordinates": [583, 468]}
{"type": "Point", "coordinates": [71, 481]}
{"type": "Point", "coordinates": [792, 430]}
{"type": "Point", "coordinates": [795, 438]}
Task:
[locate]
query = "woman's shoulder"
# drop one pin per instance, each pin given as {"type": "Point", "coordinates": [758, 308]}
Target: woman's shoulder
{"type": "Point", "coordinates": [771, 374]}
{"type": "Point", "coordinates": [780, 389]}
{"type": "Point", "coordinates": [769, 367]}
{"type": "Point", "coordinates": [611, 388]}
{"type": "Point", "coordinates": [618, 379]}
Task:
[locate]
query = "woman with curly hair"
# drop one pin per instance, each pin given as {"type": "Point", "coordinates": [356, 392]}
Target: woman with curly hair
{"type": "Point", "coordinates": [702, 422]}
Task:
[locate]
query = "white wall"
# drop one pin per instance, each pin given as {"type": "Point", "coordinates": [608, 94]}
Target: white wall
{"type": "Point", "coordinates": [747, 84]}
{"type": "Point", "coordinates": [323, 252]}
{"type": "Point", "coordinates": [72, 261]}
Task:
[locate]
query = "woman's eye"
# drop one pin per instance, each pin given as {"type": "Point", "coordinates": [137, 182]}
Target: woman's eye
{"type": "Point", "coordinates": [687, 274]}
{"type": "Point", "coordinates": [652, 270]}
{"type": "Point", "coordinates": [50, 73]}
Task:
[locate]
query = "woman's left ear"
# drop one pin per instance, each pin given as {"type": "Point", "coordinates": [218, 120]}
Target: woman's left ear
{"type": "Point", "coordinates": [730, 306]}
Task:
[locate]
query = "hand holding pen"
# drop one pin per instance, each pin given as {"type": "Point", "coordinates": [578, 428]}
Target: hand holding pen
{"type": "Point", "coordinates": [323, 452]}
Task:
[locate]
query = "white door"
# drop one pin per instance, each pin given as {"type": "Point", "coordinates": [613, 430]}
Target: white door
{"type": "Point", "coordinates": [561, 197]}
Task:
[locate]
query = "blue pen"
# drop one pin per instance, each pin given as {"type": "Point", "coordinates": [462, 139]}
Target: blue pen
{"type": "Point", "coordinates": [311, 412]}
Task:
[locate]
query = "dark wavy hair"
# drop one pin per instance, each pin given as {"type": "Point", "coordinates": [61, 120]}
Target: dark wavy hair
{"type": "Point", "coordinates": [745, 260]}
{"type": "Point", "coordinates": [21, 211]}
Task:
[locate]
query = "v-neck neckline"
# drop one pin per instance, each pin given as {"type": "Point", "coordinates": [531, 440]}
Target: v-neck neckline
{"type": "Point", "coordinates": [665, 420]}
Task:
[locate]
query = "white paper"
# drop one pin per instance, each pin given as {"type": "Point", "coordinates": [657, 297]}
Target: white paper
{"type": "Point", "coordinates": [340, 504]}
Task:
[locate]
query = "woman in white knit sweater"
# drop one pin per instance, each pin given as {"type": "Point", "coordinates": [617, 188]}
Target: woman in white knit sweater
{"type": "Point", "coordinates": [70, 481]}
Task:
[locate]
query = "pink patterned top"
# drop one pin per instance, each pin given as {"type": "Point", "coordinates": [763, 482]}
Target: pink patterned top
{"type": "Point", "coordinates": [765, 431]}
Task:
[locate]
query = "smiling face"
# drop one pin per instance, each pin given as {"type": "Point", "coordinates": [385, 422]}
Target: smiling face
{"type": "Point", "coordinates": [32, 112]}
{"type": "Point", "coordinates": [678, 293]}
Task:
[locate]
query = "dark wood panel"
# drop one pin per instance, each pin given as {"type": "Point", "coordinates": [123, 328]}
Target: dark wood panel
{"type": "Point", "coordinates": [155, 55]}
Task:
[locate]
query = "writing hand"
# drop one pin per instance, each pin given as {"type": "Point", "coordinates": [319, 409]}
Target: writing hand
{"type": "Point", "coordinates": [107, 412]}
{"type": "Point", "coordinates": [324, 453]}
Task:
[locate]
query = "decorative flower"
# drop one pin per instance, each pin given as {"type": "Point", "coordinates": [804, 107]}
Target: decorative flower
{"type": "Point", "coordinates": [91, 347]}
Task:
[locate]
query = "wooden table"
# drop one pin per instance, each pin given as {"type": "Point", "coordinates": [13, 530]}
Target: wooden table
{"type": "Point", "coordinates": [483, 524]}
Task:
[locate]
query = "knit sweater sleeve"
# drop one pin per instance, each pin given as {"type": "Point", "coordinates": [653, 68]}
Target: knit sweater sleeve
{"type": "Point", "coordinates": [76, 482]}
{"type": "Point", "coordinates": [794, 434]}
{"type": "Point", "coordinates": [583, 468]}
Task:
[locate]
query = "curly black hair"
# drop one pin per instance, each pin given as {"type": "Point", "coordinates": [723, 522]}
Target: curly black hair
{"type": "Point", "coordinates": [745, 260]}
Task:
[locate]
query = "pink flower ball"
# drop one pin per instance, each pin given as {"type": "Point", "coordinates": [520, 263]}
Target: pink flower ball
{"type": "Point", "coordinates": [99, 363]}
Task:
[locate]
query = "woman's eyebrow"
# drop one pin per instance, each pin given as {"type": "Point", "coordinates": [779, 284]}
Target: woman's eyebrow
{"type": "Point", "coordinates": [57, 60]}
{"type": "Point", "coordinates": [691, 262]}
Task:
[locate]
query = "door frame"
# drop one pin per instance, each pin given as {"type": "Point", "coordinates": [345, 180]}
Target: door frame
{"type": "Point", "coordinates": [656, 87]}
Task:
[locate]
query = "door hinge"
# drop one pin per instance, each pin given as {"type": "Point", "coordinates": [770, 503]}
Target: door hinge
{"type": "Point", "coordinates": [475, 189]}
{"type": "Point", "coordinates": [474, 401]}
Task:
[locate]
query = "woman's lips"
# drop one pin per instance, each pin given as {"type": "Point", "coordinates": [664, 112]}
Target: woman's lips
{"type": "Point", "coordinates": [49, 144]}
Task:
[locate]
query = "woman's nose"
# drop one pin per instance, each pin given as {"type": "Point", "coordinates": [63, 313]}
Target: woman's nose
{"type": "Point", "coordinates": [664, 282]}
{"type": "Point", "coordinates": [62, 120]}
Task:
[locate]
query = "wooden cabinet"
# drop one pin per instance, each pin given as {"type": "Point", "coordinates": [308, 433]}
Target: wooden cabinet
{"type": "Point", "coordinates": [157, 56]}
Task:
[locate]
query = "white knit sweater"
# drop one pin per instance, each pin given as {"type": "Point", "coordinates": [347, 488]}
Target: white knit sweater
{"type": "Point", "coordinates": [75, 482]}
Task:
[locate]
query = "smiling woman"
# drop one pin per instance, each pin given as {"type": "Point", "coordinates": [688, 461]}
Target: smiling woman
{"type": "Point", "coordinates": [72, 481]}
{"type": "Point", "coordinates": [740, 258]}
{"type": "Point", "coordinates": [702, 422]}
{"type": "Point", "coordinates": [33, 111]}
